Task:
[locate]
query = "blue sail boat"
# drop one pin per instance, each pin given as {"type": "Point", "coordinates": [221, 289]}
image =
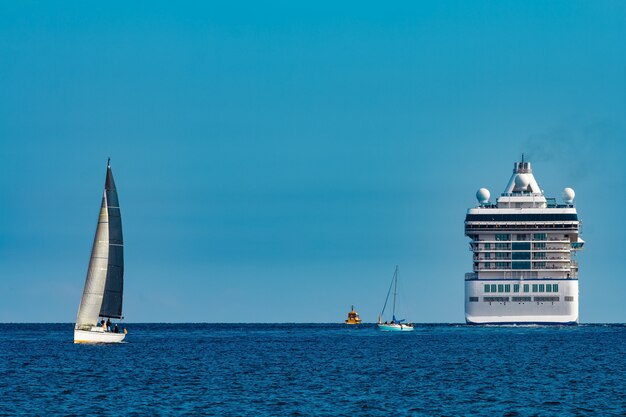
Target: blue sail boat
{"type": "Point", "coordinates": [395, 325]}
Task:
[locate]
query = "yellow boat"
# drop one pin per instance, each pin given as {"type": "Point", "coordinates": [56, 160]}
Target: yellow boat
{"type": "Point", "coordinates": [353, 317]}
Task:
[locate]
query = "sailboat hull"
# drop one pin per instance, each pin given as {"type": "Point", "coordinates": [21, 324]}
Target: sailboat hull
{"type": "Point", "coordinates": [97, 336]}
{"type": "Point", "coordinates": [395, 328]}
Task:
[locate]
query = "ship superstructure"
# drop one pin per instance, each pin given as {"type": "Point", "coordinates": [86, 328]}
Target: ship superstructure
{"type": "Point", "coordinates": [524, 247]}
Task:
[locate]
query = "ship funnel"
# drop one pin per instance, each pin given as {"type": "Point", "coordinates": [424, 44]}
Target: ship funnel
{"type": "Point", "coordinates": [522, 168]}
{"type": "Point", "coordinates": [522, 181]}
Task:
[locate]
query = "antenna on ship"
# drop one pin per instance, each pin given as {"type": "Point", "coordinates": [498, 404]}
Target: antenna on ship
{"type": "Point", "coordinates": [522, 157]}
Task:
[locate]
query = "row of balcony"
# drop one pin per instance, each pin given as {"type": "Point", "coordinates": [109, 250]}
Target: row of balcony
{"type": "Point", "coordinates": [573, 263]}
{"type": "Point", "coordinates": [552, 239]}
{"type": "Point", "coordinates": [552, 258]}
{"type": "Point", "coordinates": [521, 275]}
{"type": "Point", "coordinates": [544, 268]}
{"type": "Point", "coordinates": [508, 249]}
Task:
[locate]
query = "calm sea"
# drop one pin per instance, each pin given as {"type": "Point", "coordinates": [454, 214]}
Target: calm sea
{"type": "Point", "coordinates": [311, 369]}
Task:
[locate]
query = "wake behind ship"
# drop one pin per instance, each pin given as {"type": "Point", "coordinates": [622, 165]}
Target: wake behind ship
{"type": "Point", "coordinates": [524, 247]}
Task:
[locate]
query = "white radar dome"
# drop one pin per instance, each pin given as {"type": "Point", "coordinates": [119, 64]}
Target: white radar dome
{"type": "Point", "coordinates": [568, 195]}
{"type": "Point", "coordinates": [483, 195]}
{"type": "Point", "coordinates": [522, 181]}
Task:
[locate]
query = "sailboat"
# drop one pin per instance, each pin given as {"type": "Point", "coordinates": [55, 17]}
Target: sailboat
{"type": "Point", "coordinates": [395, 325]}
{"type": "Point", "coordinates": [104, 285]}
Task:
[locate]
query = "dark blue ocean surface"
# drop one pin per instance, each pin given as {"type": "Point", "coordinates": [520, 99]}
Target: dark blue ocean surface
{"type": "Point", "coordinates": [295, 369]}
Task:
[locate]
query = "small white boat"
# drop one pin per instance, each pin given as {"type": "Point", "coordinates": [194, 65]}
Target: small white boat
{"type": "Point", "coordinates": [104, 285]}
{"type": "Point", "coordinates": [394, 325]}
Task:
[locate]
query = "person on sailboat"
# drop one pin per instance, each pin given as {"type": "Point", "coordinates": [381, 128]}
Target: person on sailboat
{"type": "Point", "coordinates": [116, 329]}
{"type": "Point", "coordinates": [108, 328]}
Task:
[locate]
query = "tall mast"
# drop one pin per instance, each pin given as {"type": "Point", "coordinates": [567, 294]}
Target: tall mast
{"type": "Point", "coordinates": [395, 291]}
{"type": "Point", "coordinates": [388, 293]}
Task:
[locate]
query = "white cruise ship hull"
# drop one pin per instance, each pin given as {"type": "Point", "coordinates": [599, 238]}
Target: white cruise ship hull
{"type": "Point", "coordinates": [559, 308]}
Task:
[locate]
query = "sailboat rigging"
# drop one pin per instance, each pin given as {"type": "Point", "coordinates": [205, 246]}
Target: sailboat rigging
{"type": "Point", "coordinates": [395, 324]}
{"type": "Point", "coordinates": [104, 284]}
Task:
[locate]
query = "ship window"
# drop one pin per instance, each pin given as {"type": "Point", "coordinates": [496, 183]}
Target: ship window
{"type": "Point", "coordinates": [521, 265]}
{"type": "Point", "coordinates": [539, 245]}
{"type": "Point", "coordinates": [541, 288]}
{"type": "Point", "coordinates": [569, 298]}
{"type": "Point", "coordinates": [540, 236]}
{"type": "Point", "coordinates": [502, 255]}
{"type": "Point", "coordinates": [503, 236]}
{"type": "Point", "coordinates": [487, 245]}
{"type": "Point", "coordinates": [515, 287]}
{"type": "Point", "coordinates": [522, 237]}
{"type": "Point", "coordinates": [547, 299]}
{"type": "Point", "coordinates": [502, 246]}
{"type": "Point", "coordinates": [539, 255]}
{"type": "Point", "coordinates": [486, 287]}
{"type": "Point", "coordinates": [555, 287]}
{"type": "Point", "coordinates": [521, 255]}
{"type": "Point", "coordinates": [493, 287]}
{"type": "Point", "coordinates": [526, 287]}
{"type": "Point", "coordinates": [473, 299]}
{"type": "Point", "coordinates": [500, 288]}
{"type": "Point", "coordinates": [540, 265]}
{"type": "Point", "coordinates": [495, 299]}
{"type": "Point", "coordinates": [521, 245]}
{"type": "Point", "coordinates": [535, 287]}
{"type": "Point", "coordinates": [548, 287]}
{"type": "Point", "coordinates": [521, 217]}
{"type": "Point", "coordinates": [487, 256]}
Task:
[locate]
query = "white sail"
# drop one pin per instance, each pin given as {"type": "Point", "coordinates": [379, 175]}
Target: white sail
{"type": "Point", "coordinates": [90, 304]}
{"type": "Point", "coordinates": [104, 285]}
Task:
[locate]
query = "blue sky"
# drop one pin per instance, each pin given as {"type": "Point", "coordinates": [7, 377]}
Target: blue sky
{"type": "Point", "coordinates": [276, 160]}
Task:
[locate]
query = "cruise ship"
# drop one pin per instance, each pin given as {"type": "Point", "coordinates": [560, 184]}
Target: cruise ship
{"type": "Point", "coordinates": [524, 264]}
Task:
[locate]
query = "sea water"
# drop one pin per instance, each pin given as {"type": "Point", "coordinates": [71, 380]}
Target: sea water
{"type": "Point", "coordinates": [315, 369]}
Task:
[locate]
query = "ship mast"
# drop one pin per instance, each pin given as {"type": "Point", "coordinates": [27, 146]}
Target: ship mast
{"type": "Point", "coordinates": [395, 291]}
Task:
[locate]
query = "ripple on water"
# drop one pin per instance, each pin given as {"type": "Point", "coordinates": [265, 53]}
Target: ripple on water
{"type": "Point", "coordinates": [280, 369]}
